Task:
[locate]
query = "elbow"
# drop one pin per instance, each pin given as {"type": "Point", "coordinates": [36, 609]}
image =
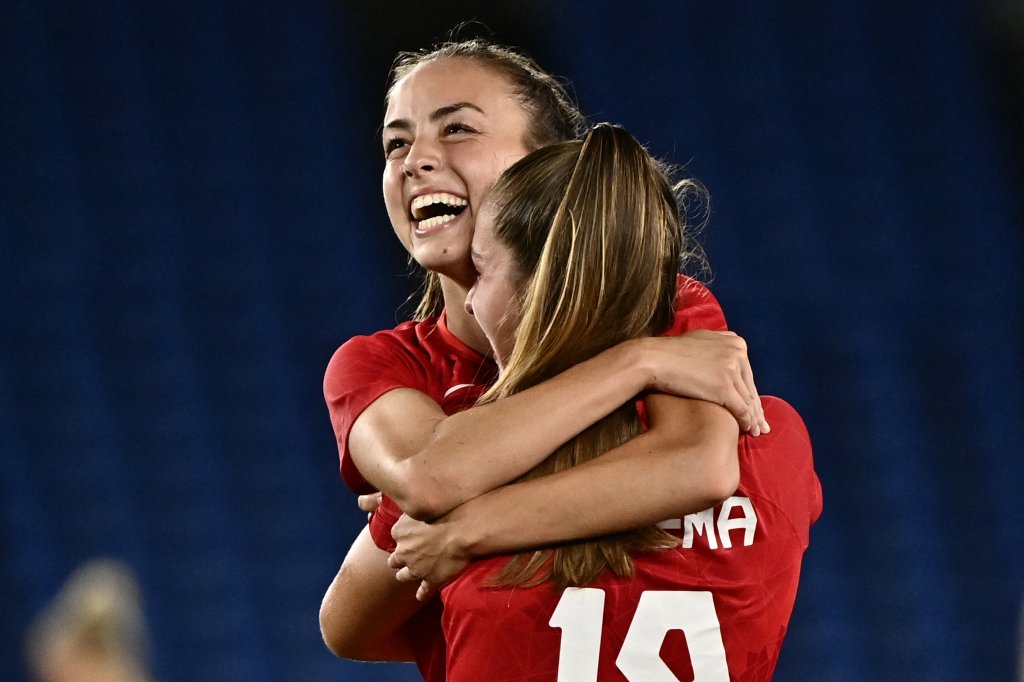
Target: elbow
{"type": "Point", "coordinates": [715, 478]}
{"type": "Point", "coordinates": [340, 641]}
{"type": "Point", "coordinates": [423, 496]}
{"type": "Point", "coordinates": [335, 644]}
{"type": "Point", "coordinates": [723, 479]}
{"type": "Point", "coordinates": [420, 508]}
{"type": "Point", "coordinates": [342, 622]}
{"type": "Point", "coordinates": [422, 501]}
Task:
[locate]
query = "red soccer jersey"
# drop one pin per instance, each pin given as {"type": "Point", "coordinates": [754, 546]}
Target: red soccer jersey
{"type": "Point", "coordinates": [427, 357]}
{"type": "Point", "coordinates": [713, 609]}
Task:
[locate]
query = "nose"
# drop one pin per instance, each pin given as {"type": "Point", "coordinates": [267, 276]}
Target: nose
{"type": "Point", "coordinates": [424, 156]}
{"type": "Point", "coordinates": [469, 299]}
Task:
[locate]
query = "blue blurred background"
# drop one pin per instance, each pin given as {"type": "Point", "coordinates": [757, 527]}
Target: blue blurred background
{"type": "Point", "coordinates": [191, 223]}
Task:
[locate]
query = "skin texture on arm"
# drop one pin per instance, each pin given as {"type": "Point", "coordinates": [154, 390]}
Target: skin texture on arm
{"type": "Point", "coordinates": [365, 611]}
{"type": "Point", "coordinates": [429, 463]}
{"type": "Point", "coordinates": [685, 463]}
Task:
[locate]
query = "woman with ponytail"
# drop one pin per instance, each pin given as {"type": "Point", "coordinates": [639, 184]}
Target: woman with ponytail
{"type": "Point", "coordinates": [577, 251]}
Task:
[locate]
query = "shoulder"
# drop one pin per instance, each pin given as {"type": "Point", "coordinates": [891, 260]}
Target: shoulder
{"type": "Point", "coordinates": [404, 348]}
{"type": "Point", "coordinates": [780, 464]}
{"type": "Point", "coordinates": [788, 438]}
{"type": "Point", "coordinates": [786, 415]}
{"type": "Point", "coordinates": [405, 336]}
{"type": "Point", "coordinates": [696, 308]}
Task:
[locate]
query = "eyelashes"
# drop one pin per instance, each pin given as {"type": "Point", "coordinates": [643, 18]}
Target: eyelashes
{"type": "Point", "coordinates": [394, 144]}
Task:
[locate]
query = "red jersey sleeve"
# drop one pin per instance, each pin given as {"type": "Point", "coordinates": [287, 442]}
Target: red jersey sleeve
{"type": "Point", "coordinates": [362, 370]}
{"type": "Point", "coordinates": [696, 308]}
{"type": "Point", "coordinates": [381, 523]}
{"type": "Point", "coordinates": [780, 466]}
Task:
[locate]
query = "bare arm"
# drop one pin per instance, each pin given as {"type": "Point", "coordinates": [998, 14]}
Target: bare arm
{"type": "Point", "coordinates": [365, 610]}
{"type": "Point", "coordinates": [685, 463]}
{"type": "Point", "coordinates": [429, 463]}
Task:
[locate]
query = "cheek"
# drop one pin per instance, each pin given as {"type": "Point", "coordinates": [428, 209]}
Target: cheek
{"type": "Point", "coordinates": [392, 190]}
{"type": "Point", "coordinates": [507, 318]}
{"type": "Point", "coordinates": [489, 306]}
{"type": "Point", "coordinates": [480, 173]}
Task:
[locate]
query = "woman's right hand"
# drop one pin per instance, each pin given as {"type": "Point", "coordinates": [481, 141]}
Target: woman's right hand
{"type": "Point", "coordinates": [427, 552]}
{"type": "Point", "coordinates": [711, 366]}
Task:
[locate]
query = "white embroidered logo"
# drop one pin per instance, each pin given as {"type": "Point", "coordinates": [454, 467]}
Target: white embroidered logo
{"type": "Point", "coordinates": [457, 387]}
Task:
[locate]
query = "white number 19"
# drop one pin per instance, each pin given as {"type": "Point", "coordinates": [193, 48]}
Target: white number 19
{"type": "Point", "coordinates": [580, 616]}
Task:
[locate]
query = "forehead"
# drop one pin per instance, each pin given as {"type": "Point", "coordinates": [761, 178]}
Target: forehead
{"type": "Point", "coordinates": [444, 80]}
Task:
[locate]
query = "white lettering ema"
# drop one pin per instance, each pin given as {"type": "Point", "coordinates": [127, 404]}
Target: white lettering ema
{"type": "Point", "coordinates": [704, 524]}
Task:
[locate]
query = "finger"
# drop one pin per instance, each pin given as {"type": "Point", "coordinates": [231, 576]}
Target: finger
{"type": "Point", "coordinates": [739, 405]}
{"type": "Point", "coordinates": [368, 503]}
{"type": "Point", "coordinates": [750, 422]}
{"type": "Point", "coordinates": [394, 562]}
{"type": "Point", "coordinates": [739, 409]}
{"type": "Point", "coordinates": [425, 591]}
{"type": "Point", "coordinates": [758, 409]}
{"type": "Point", "coordinates": [406, 575]}
{"type": "Point", "coordinates": [752, 415]}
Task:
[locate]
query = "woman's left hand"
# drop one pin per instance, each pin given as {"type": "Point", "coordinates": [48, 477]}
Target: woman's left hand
{"type": "Point", "coordinates": [428, 552]}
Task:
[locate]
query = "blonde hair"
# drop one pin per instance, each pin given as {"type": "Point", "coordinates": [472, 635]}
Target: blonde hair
{"type": "Point", "coordinates": [98, 611]}
{"type": "Point", "coordinates": [595, 233]}
{"type": "Point", "coordinates": [552, 115]}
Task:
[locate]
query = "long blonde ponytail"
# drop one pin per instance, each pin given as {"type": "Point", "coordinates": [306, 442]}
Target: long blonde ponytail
{"type": "Point", "coordinates": [594, 230]}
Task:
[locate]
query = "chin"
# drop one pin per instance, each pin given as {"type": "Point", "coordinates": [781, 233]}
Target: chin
{"type": "Point", "coordinates": [458, 269]}
{"type": "Point", "coordinates": [500, 357]}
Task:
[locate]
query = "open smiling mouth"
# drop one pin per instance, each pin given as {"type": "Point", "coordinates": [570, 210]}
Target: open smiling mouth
{"type": "Point", "coordinates": [431, 210]}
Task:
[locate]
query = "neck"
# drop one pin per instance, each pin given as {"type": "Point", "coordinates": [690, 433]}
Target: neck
{"type": "Point", "coordinates": [461, 323]}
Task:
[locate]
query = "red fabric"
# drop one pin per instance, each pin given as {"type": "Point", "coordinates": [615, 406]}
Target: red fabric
{"type": "Point", "coordinates": [696, 308]}
{"type": "Point", "coordinates": [747, 588]}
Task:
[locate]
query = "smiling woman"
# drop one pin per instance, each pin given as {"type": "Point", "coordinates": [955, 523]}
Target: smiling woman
{"type": "Point", "coordinates": [456, 118]}
{"type": "Point", "coordinates": [451, 127]}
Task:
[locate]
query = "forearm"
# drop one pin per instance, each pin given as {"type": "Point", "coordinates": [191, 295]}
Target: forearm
{"type": "Point", "coordinates": [646, 480]}
{"type": "Point", "coordinates": [477, 450]}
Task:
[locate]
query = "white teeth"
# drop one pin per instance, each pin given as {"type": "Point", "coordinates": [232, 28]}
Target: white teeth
{"type": "Point", "coordinates": [437, 198]}
{"type": "Point", "coordinates": [433, 222]}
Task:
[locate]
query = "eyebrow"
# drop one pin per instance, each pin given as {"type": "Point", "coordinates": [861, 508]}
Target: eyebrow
{"type": "Point", "coordinates": [436, 115]}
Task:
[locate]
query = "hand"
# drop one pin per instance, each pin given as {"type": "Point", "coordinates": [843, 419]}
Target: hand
{"type": "Point", "coordinates": [369, 503]}
{"type": "Point", "coordinates": [428, 552]}
{"type": "Point", "coordinates": [710, 366]}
